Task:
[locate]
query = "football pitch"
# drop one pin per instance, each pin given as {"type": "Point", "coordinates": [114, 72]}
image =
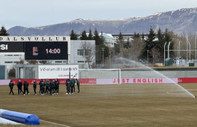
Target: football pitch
{"type": "Point", "coordinates": [106, 106]}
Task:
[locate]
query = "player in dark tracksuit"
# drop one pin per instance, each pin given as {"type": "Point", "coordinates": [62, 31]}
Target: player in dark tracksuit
{"type": "Point", "coordinates": [56, 86]}
{"type": "Point", "coordinates": [34, 86]}
{"type": "Point", "coordinates": [47, 83]}
{"type": "Point", "coordinates": [41, 87]}
{"type": "Point", "coordinates": [51, 85]}
{"type": "Point", "coordinates": [78, 85]}
{"type": "Point", "coordinates": [26, 87]}
{"type": "Point", "coordinates": [72, 85]}
{"type": "Point", "coordinates": [68, 84]}
{"type": "Point", "coordinates": [11, 85]}
{"type": "Point", "coordinates": [19, 85]}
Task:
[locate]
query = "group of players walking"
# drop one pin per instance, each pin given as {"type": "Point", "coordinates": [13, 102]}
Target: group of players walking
{"type": "Point", "coordinates": [51, 87]}
{"type": "Point", "coordinates": [70, 85]}
{"type": "Point", "coordinates": [19, 86]}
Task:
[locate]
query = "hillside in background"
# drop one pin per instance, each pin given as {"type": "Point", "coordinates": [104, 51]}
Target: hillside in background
{"type": "Point", "coordinates": [179, 21]}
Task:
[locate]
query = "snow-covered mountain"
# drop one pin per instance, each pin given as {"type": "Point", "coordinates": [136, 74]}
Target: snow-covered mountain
{"type": "Point", "coordinates": [179, 21]}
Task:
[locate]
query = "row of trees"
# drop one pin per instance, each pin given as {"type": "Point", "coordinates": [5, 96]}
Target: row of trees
{"type": "Point", "coordinates": [148, 47]}
{"type": "Point", "coordinates": [88, 36]}
{"type": "Point", "coordinates": [142, 47]}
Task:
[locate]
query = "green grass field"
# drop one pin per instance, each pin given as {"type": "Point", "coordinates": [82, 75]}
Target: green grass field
{"type": "Point", "coordinates": [106, 106]}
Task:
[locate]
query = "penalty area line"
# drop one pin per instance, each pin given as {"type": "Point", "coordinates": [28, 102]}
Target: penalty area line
{"type": "Point", "coordinates": [58, 124]}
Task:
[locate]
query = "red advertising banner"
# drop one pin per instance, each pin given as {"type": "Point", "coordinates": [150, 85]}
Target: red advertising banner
{"type": "Point", "coordinates": [61, 81]}
{"type": "Point", "coordinates": [87, 81]}
{"type": "Point", "coordinates": [187, 80]}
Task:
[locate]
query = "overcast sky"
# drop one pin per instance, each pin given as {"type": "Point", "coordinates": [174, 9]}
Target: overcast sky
{"type": "Point", "coordinates": [33, 13]}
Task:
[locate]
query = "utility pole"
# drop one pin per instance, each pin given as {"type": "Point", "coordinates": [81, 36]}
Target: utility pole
{"type": "Point", "coordinates": [164, 54]}
{"type": "Point", "coordinates": [103, 56]}
{"type": "Point", "coordinates": [169, 49]}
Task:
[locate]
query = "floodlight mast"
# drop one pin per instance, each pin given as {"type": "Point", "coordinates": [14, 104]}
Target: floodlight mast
{"type": "Point", "coordinates": [169, 49]}
{"type": "Point", "coordinates": [189, 50]}
{"type": "Point", "coordinates": [179, 48]}
{"type": "Point", "coordinates": [164, 53]}
{"type": "Point", "coordinates": [188, 47]}
{"type": "Point", "coordinates": [69, 72]}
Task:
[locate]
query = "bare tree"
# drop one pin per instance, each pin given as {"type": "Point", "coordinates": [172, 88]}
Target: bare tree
{"type": "Point", "coordinates": [136, 47]}
{"type": "Point", "coordinates": [88, 52]}
{"type": "Point", "coordinates": [156, 55]}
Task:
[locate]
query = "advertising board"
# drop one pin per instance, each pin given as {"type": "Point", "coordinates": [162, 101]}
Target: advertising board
{"type": "Point", "coordinates": [57, 71]}
{"type": "Point", "coordinates": [137, 80]}
{"type": "Point", "coordinates": [11, 47]}
{"type": "Point", "coordinates": [187, 80]}
{"type": "Point", "coordinates": [46, 50]}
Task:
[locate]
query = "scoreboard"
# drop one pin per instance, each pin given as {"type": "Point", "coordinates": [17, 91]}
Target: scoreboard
{"type": "Point", "coordinates": [37, 47]}
{"type": "Point", "coordinates": [46, 50]}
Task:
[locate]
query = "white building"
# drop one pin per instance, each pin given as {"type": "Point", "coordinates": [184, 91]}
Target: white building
{"type": "Point", "coordinates": [10, 59]}
{"type": "Point", "coordinates": [109, 39]}
{"type": "Point", "coordinates": [82, 52]}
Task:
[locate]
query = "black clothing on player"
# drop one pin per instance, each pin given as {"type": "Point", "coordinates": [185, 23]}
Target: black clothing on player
{"type": "Point", "coordinates": [51, 86]}
{"type": "Point", "coordinates": [68, 85]}
{"type": "Point", "coordinates": [56, 86]}
{"type": "Point", "coordinates": [26, 87]}
{"type": "Point", "coordinates": [11, 85]}
{"type": "Point", "coordinates": [34, 86]}
{"type": "Point", "coordinates": [41, 86]}
{"type": "Point", "coordinates": [19, 86]}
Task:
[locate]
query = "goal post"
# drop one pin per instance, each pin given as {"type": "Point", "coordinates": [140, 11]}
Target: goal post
{"type": "Point", "coordinates": [107, 75]}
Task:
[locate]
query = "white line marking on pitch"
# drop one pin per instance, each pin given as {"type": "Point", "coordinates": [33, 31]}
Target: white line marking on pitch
{"type": "Point", "coordinates": [55, 123]}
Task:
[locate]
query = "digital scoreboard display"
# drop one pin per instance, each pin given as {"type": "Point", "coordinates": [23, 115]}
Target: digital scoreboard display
{"type": "Point", "coordinates": [46, 50]}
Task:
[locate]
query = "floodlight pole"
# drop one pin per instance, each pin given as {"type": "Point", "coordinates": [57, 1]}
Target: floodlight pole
{"type": "Point", "coordinates": [69, 72]}
{"type": "Point", "coordinates": [169, 49]}
{"type": "Point", "coordinates": [103, 56]}
{"type": "Point", "coordinates": [164, 54]}
{"type": "Point", "coordinates": [189, 50]}
{"type": "Point", "coordinates": [179, 48]}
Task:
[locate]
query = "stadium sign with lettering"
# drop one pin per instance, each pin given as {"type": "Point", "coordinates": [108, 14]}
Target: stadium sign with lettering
{"type": "Point", "coordinates": [33, 38]}
{"type": "Point", "coordinates": [58, 71]}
